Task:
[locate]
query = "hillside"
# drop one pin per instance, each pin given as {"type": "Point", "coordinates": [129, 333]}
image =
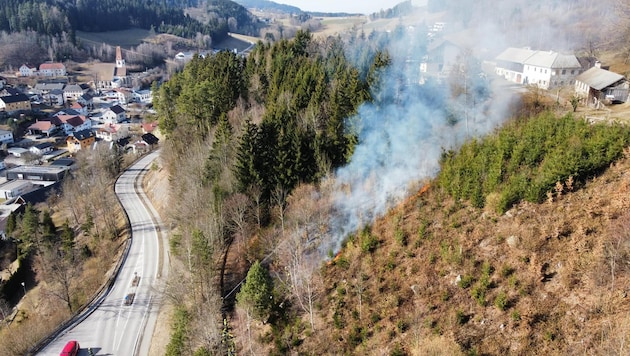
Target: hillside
{"type": "Point", "coordinates": [541, 278]}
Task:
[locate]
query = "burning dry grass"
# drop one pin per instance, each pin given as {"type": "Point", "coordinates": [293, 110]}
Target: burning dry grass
{"type": "Point", "coordinates": [547, 288]}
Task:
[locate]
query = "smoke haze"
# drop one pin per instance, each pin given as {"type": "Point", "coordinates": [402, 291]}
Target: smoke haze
{"type": "Point", "coordinates": [403, 133]}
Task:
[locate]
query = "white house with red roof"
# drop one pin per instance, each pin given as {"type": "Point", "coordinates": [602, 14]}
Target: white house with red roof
{"type": "Point", "coordinates": [43, 127]}
{"type": "Point", "coordinates": [112, 132]}
{"type": "Point", "coordinates": [72, 123]}
{"type": "Point", "coordinates": [80, 108]}
{"type": "Point", "coordinates": [52, 69]}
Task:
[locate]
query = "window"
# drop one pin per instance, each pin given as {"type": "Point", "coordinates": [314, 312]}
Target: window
{"type": "Point", "coordinates": [572, 71]}
{"type": "Point", "coordinates": [564, 71]}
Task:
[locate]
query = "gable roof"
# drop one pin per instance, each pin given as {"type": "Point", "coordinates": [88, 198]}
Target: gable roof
{"type": "Point", "coordinates": [49, 65]}
{"type": "Point", "coordinates": [72, 120]}
{"type": "Point", "coordinates": [515, 55]}
{"type": "Point", "coordinates": [552, 59]}
{"type": "Point", "coordinates": [598, 78]}
{"type": "Point", "coordinates": [43, 145]}
{"type": "Point", "coordinates": [72, 88]}
{"type": "Point", "coordinates": [41, 126]}
{"type": "Point", "coordinates": [150, 138]}
{"type": "Point", "coordinates": [10, 91]}
{"type": "Point", "coordinates": [545, 59]}
{"type": "Point", "coordinates": [117, 109]}
{"type": "Point", "coordinates": [14, 98]}
{"type": "Point", "coordinates": [83, 135]}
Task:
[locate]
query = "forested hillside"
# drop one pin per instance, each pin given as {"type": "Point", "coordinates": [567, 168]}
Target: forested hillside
{"type": "Point", "coordinates": [57, 17]}
{"type": "Point", "coordinates": [286, 159]}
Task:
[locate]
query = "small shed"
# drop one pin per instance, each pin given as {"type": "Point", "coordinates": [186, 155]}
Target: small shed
{"type": "Point", "coordinates": [597, 85]}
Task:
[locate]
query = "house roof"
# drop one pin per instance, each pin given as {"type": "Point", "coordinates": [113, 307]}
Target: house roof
{"type": "Point", "coordinates": [109, 128]}
{"type": "Point", "coordinates": [72, 120]}
{"type": "Point", "coordinates": [83, 135]}
{"type": "Point", "coordinates": [77, 105]}
{"type": "Point", "coordinates": [87, 97]}
{"type": "Point", "coordinates": [515, 55]}
{"type": "Point", "coordinates": [117, 109]}
{"type": "Point", "coordinates": [41, 126]}
{"type": "Point", "coordinates": [545, 59]}
{"type": "Point", "coordinates": [10, 91]}
{"type": "Point", "coordinates": [552, 59]}
{"type": "Point", "coordinates": [72, 88]}
{"type": "Point", "coordinates": [43, 145]}
{"type": "Point", "coordinates": [51, 66]}
{"type": "Point", "coordinates": [598, 78]}
{"type": "Point", "coordinates": [150, 138]}
{"type": "Point", "coordinates": [14, 98]}
{"type": "Point", "coordinates": [28, 66]}
{"type": "Point", "coordinates": [49, 86]}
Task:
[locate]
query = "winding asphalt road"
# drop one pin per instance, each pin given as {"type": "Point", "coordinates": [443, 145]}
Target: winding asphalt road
{"type": "Point", "coordinates": [109, 326]}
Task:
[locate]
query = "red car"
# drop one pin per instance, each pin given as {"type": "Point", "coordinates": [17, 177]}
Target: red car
{"type": "Point", "coordinates": [71, 349]}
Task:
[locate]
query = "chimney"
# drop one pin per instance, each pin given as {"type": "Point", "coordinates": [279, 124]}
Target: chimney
{"type": "Point", "coordinates": [598, 64]}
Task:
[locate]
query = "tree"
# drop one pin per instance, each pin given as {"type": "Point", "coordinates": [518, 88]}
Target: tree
{"type": "Point", "coordinates": [256, 295]}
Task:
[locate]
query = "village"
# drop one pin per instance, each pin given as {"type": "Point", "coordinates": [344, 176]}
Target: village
{"type": "Point", "coordinates": [66, 118]}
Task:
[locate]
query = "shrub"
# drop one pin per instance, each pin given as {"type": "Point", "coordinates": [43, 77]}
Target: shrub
{"type": "Point", "coordinates": [400, 236]}
{"type": "Point", "coordinates": [368, 241]}
{"type": "Point", "coordinates": [466, 281]}
{"type": "Point", "coordinates": [478, 293]}
{"type": "Point", "coordinates": [516, 316]}
{"type": "Point", "coordinates": [501, 301]}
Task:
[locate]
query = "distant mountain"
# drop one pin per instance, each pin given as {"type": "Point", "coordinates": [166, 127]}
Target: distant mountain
{"type": "Point", "coordinates": [269, 6]}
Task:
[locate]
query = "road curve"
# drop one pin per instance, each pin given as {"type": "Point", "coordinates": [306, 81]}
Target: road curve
{"type": "Point", "coordinates": [109, 326]}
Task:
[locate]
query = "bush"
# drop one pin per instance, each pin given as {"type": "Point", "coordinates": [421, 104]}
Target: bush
{"type": "Point", "coordinates": [466, 281]}
{"type": "Point", "coordinates": [501, 301]}
{"type": "Point", "coordinates": [527, 157]}
{"type": "Point", "coordinates": [368, 241]}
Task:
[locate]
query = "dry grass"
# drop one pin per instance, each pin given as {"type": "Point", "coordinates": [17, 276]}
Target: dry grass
{"type": "Point", "coordinates": [548, 287]}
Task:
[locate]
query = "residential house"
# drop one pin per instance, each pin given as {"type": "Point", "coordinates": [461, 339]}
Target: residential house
{"type": "Point", "coordinates": [114, 115]}
{"type": "Point", "coordinates": [79, 108]}
{"type": "Point", "coordinates": [142, 96]}
{"type": "Point", "coordinates": [598, 84]}
{"type": "Point", "coordinates": [14, 188]}
{"type": "Point", "coordinates": [27, 70]}
{"type": "Point", "coordinates": [17, 151]}
{"type": "Point", "coordinates": [123, 95]}
{"type": "Point", "coordinates": [13, 103]}
{"type": "Point", "coordinates": [42, 148]}
{"type": "Point", "coordinates": [545, 69]}
{"type": "Point", "coordinates": [86, 100]}
{"type": "Point", "coordinates": [72, 123]}
{"type": "Point", "coordinates": [112, 132]}
{"type": "Point", "coordinates": [50, 69]}
{"type": "Point", "coordinates": [72, 92]}
{"type": "Point", "coordinates": [55, 97]}
{"type": "Point", "coordinates": [8, 91]}
{"type": "Point", "coordinates": [43, 127]}
{"type": "Point", "coordinates": [80, 140]}
{"type": "Point", "coordinates": [6, 136]}
{"type": "Point", "coordinates": [510, 64]}
{"type": "Point", "coordinates": [442, 54]}
{"type": "Point", "coordinates": [150, 139]}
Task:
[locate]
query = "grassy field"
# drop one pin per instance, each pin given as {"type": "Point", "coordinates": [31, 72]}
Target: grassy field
{"type": "Point", "coordinates": [123, 38]}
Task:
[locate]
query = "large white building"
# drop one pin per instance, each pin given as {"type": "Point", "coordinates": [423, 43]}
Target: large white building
{"type": "Point", "coordinates": [545, 69]}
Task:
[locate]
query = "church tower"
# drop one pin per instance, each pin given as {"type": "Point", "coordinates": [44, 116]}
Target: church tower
{"type": "Point", "coordinates": [120, 62]}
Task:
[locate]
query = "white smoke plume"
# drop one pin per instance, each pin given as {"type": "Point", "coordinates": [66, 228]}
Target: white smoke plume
{"type": "Point", "coordinates": [403, 134]}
